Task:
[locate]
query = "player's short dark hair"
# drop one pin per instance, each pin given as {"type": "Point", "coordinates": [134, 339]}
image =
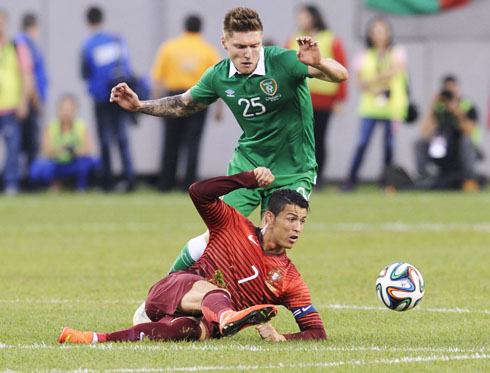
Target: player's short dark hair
{"type": "Point", "coordinates": [369, 42]}
{"type": "Point", "coordinates": [28, 20]}
{"type": "Point", "coordinates": [193, 23]}
{"type": "Point", "coordinates": [241, 20]}
{"type": "Point", "coordinates": [282, 197]}
{"type": "Point", "coordinates": [318, 21]}
{"type": "Point", "coordinates": [95, 15]}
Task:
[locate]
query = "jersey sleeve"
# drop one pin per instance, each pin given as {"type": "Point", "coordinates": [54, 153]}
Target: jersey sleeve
{"type": "Point", "coordinates": [292, 64]}
{"type": "Point", "coordinates": [204, 90]}
{"type": "Point", "coordinates": [205, 195]}
{"type": "Point", "coordinates": [297, 299]}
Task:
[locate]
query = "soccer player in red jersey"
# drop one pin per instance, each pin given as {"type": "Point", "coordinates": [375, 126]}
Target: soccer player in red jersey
{"type": "Point", "coordinates": [243, 273]}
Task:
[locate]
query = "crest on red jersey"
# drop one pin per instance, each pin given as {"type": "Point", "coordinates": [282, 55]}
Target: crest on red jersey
{"type": "Point", "coordinates": [274, 276]}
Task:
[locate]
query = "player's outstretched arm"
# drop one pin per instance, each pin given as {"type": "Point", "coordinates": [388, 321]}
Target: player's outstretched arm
{"type": "Point", "coordinates": [269, 333]}
{"type": "Point", "coordinates": [205, 194]}
{"type": "Point", "coordinates": [168, 107]}
{"type": "Point", "coordinates": [321, 68]}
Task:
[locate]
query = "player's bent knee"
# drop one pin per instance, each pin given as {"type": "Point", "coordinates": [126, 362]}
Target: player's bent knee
{"type": "Point", "coordinates": [140, 316]}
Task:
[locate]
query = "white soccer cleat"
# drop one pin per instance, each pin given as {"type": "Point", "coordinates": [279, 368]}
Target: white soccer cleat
{"type": "Point", "coordinates": [140, 316]}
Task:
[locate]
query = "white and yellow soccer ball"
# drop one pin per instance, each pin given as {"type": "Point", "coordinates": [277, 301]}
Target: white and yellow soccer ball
{"type": "Point", "coordinates": [400, 286]}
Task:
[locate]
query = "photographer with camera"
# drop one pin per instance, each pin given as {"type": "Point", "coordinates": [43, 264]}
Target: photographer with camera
{"type": "Point", "coordinates": [450, 138]}
{"type": "Point", "coordinates": [66, 149]}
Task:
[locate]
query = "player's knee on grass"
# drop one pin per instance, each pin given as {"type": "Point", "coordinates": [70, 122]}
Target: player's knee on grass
{"type": "Point", "coordinates": [140, 316]}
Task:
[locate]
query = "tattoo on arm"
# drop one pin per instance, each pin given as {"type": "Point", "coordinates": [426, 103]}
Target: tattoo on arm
{"type": "Point", "coordinates": [172, 106]}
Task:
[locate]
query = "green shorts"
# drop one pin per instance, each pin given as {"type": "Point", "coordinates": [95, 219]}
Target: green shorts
{"type": "Point", "coordinates": [247, 200]}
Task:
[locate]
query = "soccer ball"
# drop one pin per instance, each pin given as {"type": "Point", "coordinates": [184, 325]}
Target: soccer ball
{"type": "Point", "coordinates": [400, 286]}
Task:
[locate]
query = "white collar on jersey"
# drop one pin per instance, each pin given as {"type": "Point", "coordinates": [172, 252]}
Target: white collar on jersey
{"type": "Point", "coordinates": [259, 70]}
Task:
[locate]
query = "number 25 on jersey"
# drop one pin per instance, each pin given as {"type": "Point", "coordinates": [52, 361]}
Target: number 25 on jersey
{"type": "Point", "coordinates": [254, 103]}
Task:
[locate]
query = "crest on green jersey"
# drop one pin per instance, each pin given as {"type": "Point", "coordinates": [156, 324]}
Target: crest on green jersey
{"type": "Point", "coordinates": [269, 86]}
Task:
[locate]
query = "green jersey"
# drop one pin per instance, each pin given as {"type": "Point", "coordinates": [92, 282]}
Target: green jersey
{"type": "Point", "coordinates": [272, 106]}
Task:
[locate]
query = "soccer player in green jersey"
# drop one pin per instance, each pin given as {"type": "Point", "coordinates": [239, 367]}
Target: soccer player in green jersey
{"type": "Point", "coordinates": [265, 88]}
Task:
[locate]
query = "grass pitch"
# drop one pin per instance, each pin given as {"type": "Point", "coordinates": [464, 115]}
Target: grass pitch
{"type": "Point", "coordinates": [88, 261]}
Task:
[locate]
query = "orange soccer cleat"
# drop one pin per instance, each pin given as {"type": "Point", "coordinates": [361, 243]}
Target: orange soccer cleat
{"type": "Point", "coordinates": [75, 336]}
{"type": "Point", "coordinates": [232, 322]}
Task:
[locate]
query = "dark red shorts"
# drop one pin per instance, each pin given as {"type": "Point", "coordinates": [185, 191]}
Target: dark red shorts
{"type": "Point", "coordinates": [164, 297]}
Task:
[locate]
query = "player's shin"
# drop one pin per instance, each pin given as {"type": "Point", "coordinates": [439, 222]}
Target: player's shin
{"type": "Point", "coordinates": [191, 252]}
{"type": "Point", "coordinates": [214, 304]}
{"type": "Point", "coordinates": [167, 329]}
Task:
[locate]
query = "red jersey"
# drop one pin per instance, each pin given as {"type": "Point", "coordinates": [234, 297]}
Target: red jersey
{"type": "Point", "coordinates": [252, 276]}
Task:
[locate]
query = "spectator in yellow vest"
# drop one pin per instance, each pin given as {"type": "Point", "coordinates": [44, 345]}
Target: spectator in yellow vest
{"type": "Point", "coordinates": [178, 66]}
{"type": "Point", "coordinates": [15, 90]}
{"type": "Point", "coordinates": [66, 149]}
{"type": "Point", "coordinates": [326, 97]}
{"type": "Point", "coordinates": [29, 126]}
{"type": "Point", "coordinates": [382, 79]}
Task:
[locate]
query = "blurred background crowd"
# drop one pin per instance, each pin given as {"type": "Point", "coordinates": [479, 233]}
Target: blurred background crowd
{"type": "Point", "coordinates": [414, 113]}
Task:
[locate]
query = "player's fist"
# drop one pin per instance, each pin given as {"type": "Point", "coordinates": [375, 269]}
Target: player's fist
{"type": "Point", "coordinates": [268, 333]}
{"type": "Point", "coordinates": [263, 176]}
{"type": "Point", "coordinates": [125, 97]}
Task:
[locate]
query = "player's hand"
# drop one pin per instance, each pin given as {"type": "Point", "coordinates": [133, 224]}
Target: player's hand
{"type": "Point", "coordinates": [125, 97]}
{"type": "Point", "coordinates": [309, 52]}
{"type": "Point", "coordinates": [263, 176]}
{"type": "Point", "coordinates": [268, 333]}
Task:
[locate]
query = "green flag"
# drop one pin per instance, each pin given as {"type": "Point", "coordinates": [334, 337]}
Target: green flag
{"type": "Point", "coordinates": [411, 7]}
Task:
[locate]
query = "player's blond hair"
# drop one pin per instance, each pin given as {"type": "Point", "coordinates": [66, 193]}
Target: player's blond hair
{"type": "Point", "coordinates": [241, 20]}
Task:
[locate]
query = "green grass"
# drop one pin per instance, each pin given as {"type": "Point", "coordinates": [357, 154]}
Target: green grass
{"type": "Point", "coordinates": [88, 261]}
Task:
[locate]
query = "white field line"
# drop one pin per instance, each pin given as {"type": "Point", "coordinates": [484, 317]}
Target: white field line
{"type": "Point", "coordinates": [419, 309]}
{"type": "Point", "coordinates": [410, 359]}
{"type": "Point", "coordinates": [172, 347]}
{"type": "Point", "coordinates": [321, 306]}
{"type": "Point", "coordinates": [397, 361]}
{"type": "Point", "coordinates": [153, 227]}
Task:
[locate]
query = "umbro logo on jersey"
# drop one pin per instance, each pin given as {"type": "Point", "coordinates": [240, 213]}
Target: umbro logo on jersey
{"type": "Point", "coordinates": [230, 93]}
{"type": "Point", "coordinates": [251, 238]}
